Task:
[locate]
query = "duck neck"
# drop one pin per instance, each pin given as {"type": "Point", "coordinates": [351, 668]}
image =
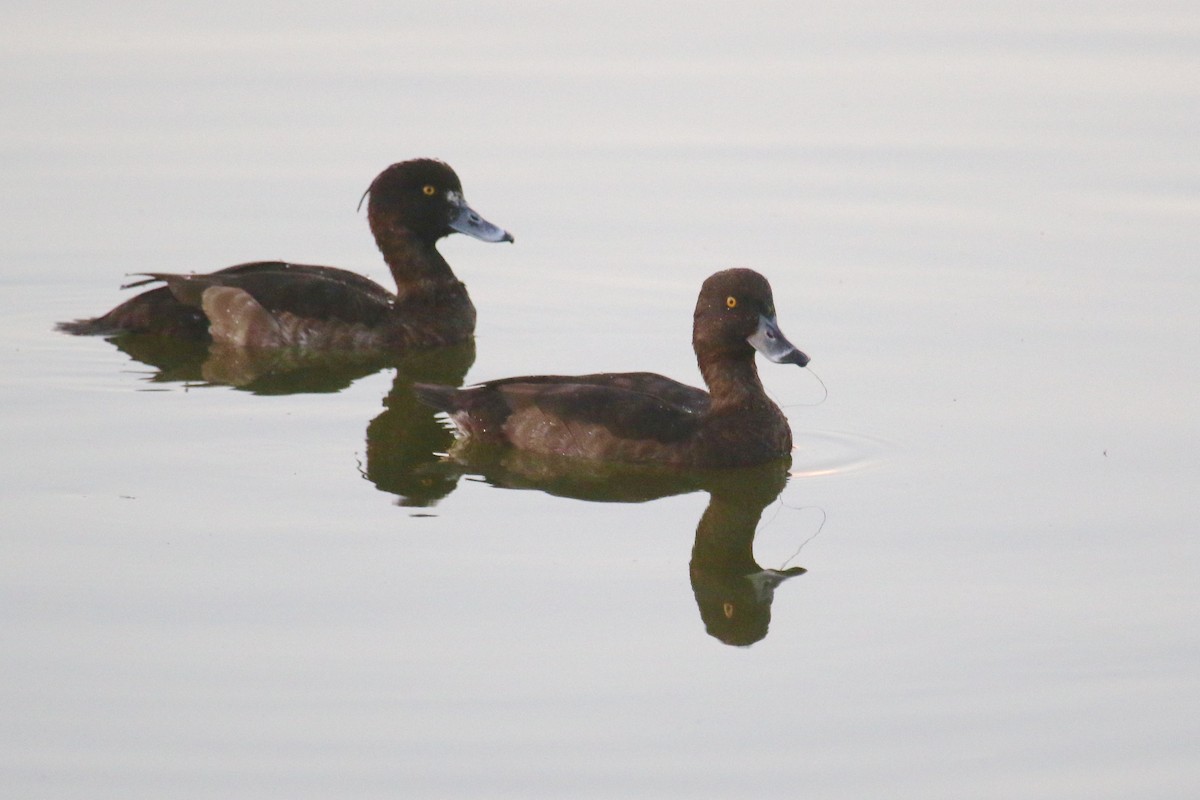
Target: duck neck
{"type": "Point", "coordinates": [733, 382]}
{"type": "Point", "coordinates": [417, 267]}
{"type": "Point", "coordinates": [725, 536]}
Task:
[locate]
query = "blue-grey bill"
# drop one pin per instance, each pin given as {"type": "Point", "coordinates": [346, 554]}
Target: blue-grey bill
{"type": "Point", "coordinates": [466, 220]}
{"type": "Point", "coordinates": [771, 342]}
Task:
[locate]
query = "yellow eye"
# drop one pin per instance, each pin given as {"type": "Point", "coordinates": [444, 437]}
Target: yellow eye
{"type": "Point", "coordinates": [731, 302]}
{"type": "Point", "coordinates": [429, 190]}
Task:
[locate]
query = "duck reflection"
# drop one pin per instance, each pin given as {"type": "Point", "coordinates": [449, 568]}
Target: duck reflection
{"type": "Point", "coordinates": [404, 441]}
{"type": "Point", "coordinates": [260, 371]}
{"type": "Point", "coordinates": [733, 592]}
{"type": "Point", "coordinates": [289, 371]}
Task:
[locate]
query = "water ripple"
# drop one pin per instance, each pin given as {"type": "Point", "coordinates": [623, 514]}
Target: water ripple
{"type": "Point", "coordinates": [824, 453]}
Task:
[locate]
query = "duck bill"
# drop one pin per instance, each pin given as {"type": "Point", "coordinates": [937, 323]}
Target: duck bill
{"type": "Point", "coordinates": [771, 342]}
{"type": "Point", "coordinates": [465, 219]}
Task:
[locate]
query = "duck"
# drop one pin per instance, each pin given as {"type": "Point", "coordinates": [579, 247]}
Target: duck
{"type": "Point", "coordinates": [643, 417]}
{"type": "Point", "coordinates": [411, 205]}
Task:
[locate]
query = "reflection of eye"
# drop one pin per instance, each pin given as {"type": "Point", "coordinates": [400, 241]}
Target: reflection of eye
{"type": "Point", "coordinates": [728, 607]}
{"type": "Point", "coordinates": [429, 190]}
{"type": "Point", "coordinates": [731, 301]}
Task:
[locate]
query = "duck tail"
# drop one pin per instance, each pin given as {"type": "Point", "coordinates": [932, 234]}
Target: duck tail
{"type": "Point", "coordinates": [92, 326]}
{"type": "Point", "coordinates": [155, 311]}
{"type": "Point", "coordinates": [443, 398]}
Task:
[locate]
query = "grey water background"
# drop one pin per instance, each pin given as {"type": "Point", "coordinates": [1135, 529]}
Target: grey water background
{"type": "Point", "coordinates": [980, 220]}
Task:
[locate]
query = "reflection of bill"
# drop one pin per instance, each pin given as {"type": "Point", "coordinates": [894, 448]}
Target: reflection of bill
{"type": "Point", "coordinates": [733, 592]}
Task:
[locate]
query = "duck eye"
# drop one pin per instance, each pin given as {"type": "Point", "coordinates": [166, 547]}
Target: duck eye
{"type": "Point", "coordinates": [731, 302]}
{"type": "Point", "coordinates": [429, 190]}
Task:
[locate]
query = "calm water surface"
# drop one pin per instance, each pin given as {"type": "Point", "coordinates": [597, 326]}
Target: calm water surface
{"type": "Point", "coordinates": [232, 579]}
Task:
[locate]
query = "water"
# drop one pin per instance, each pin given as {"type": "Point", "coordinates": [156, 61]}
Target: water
{"type": "Point", "coordinates": [981, 223]}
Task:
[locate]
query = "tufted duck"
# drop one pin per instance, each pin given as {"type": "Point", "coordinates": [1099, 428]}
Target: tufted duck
{"type": "Point", "coordinates": [412, 205]}
{"type": "Point", "coordinates": [640, 417]}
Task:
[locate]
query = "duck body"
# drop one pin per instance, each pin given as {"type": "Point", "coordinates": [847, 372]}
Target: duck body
{"type": "Point", "coordinates": [642, 417]}
{"type": "Point", "coordinates": [275, 304]}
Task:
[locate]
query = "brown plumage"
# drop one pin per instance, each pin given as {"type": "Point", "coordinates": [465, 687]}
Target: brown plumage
{"type": "Point", "coordinates": [411, 206]}
{"type": "Point", "coordinates": [641, 417]}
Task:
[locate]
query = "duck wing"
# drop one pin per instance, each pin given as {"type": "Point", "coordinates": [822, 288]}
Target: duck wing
{"type": "Point", "coordinates": [303, 290]}
{"type": "Point", "coordinates": [635, 406]}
